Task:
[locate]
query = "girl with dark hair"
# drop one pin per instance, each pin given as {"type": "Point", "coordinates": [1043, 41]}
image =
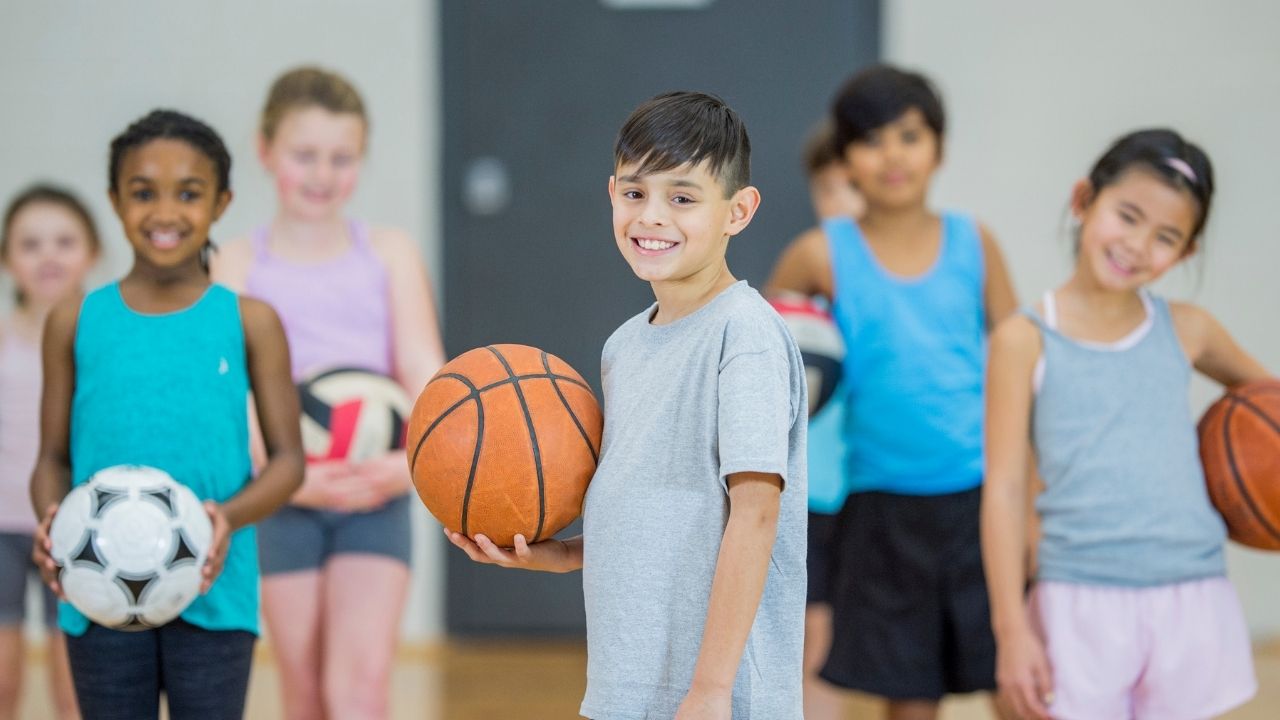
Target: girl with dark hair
{"type": "Point", "coordinates": [156, 369]}
{"type": "Point", "coordinates": [1130, 613]}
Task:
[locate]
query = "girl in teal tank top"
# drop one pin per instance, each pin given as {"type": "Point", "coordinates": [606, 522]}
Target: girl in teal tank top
{"type": "Point", "coordinates": [156, 369]}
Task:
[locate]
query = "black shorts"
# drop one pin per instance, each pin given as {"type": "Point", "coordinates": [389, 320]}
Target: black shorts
{"type": "Point", "coordinates": [909, 598]}
{"type": "Point", "coordinates": [821, 556]}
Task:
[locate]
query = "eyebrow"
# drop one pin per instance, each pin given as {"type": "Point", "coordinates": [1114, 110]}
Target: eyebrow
{"type": "Point", "coordinates": [184, 181]}
{"type": "Point", "coordinates": [677, 183]}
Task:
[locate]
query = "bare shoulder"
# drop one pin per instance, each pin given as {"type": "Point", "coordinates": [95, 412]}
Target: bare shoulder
{"type": "Point", "coordinates": [258, 318]}
{"type": "Point", "coordinates": [1191, 317]}
{"type": "Point", "coordinates": [804, 266]}
{"type": "Point", "coordinates": [988, 237]}
{"type": "Point", "coordinates": [230, 264]}
{"type": "Point", "coordinates": [1016, 336]}
{"type": "Point", "coordinates": [394, 244]}
{"type": "Point", "coordinates": [60, 326]}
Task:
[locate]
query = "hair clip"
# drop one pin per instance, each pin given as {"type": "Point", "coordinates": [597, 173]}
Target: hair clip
{"type": "Point", "coordinates": [1182, 168]}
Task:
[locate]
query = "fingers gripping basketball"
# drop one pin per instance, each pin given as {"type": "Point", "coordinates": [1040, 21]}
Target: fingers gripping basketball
{"type": "Point", "coordinates": [504, 440]}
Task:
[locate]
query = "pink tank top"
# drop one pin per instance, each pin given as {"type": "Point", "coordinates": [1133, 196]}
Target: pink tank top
{"type": "Point", "coordinates": [336, 313]}
{"type": "Point", "coordinates": [20, 374]}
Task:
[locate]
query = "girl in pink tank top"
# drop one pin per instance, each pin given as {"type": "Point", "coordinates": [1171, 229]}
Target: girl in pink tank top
{"type": "Point", "coordinates": [335, 562]}
{"type": "Point", "coordinates": [48, 244]}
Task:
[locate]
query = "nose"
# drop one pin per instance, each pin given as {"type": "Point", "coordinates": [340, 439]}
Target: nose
{"type": "Point", "coordinates": [654, 211]}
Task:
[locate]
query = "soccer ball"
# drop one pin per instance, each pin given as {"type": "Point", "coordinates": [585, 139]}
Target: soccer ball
{"type": "Point", "coordinates": [130, 544]}
{"type": "Point", "coordinates": [820, 342]}
{"type": "Point", "coordinates": [352, 414]}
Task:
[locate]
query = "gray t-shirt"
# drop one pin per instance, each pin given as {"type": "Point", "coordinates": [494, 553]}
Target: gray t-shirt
{"type": "Point", "coordinates": [717, 392]}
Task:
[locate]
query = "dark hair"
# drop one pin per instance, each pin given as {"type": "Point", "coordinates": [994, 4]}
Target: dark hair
{"type": "Point", "coordinates": [880, 94]}
{"type": "Point", "coordinates": [53, 195]}
{"type": "Point", "coordinates": [687, 128]}
{"type": "Point", "coordinates": [820, 148]}
{"type": "Point", "coordinates": [173, 125]}
{"type": "Point", "coordinates": [310, 86]}
{"type": "Point", "coordinates": [1168, 156]}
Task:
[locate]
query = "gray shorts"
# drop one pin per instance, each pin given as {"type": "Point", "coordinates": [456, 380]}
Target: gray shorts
{"type": "Point", "coordinates": [297, 538]}
{"type": "Point", "coordinates": [16, 570]}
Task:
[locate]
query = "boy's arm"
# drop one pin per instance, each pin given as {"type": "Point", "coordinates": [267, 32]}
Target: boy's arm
{"type": "Point", "coordinates": [741, 569]}
{"type": "Point", "coordinates": [997, 293]}
{"type": "Point", "coordinates": [804, 267]}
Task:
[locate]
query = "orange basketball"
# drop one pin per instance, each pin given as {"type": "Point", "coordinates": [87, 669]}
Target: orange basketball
{"type": "Point", "coordinates": [504, 440]}
{"type": "Point", "coordinates": [1240, 449]}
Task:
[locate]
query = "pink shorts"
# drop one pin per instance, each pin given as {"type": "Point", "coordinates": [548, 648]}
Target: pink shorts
{"type": "Point", "coordinates": [1173, 652]}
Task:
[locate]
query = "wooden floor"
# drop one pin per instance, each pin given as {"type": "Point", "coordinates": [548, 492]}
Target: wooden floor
{"type": "Point", "coordinates": [544, 681]}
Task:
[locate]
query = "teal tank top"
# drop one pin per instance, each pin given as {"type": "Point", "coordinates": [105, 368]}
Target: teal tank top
{"type": "Point", "coordinates": [913, 370]}
{"type": "Point", "coordinates": [170, 391]}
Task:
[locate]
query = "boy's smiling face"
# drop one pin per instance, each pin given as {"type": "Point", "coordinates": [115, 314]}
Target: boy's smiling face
{"type": "Point", "coordinates": [673, 226]}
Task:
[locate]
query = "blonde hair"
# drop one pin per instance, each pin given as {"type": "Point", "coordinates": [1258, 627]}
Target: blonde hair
{"type": "Point", "coordinates": [310, 86]}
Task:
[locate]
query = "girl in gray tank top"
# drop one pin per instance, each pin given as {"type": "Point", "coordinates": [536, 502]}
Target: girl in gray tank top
{"type": "Point", "coordinates": [1130, 615]}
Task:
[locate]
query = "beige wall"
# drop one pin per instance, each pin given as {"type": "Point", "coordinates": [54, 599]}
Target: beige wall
{"type": "Point", "coordinates": [1037, 90]}
{"type": "Point", "coordinates": [75, 73]}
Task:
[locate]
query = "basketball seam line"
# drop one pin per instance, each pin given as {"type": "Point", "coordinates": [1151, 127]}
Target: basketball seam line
{"type": "Point", "coordinates": [475, 457]}
{"type": "Point", "coordinates": [515, 378]}
{"type": "Point", "coordinates": [1235, 472]}
{"type": "Point", "coordinates": [533, 439]}
{"type": "Point", "coordinates": [595, 458]}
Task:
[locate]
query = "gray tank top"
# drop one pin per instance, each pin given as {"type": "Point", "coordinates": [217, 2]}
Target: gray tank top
{"type": "Point", "coordinates": [1125, 501]}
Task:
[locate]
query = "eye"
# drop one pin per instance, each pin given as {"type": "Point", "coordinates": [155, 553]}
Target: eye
{"type": "Point", "coordinates": [304, 156]}
{"type": "Point", "coordinates": [910, 136]}
{"type": "Point", "coordinates": [1167, 240]}
{"type": "Point", "coordinates": [66, 241]}
{"type": "Point", "coordinates": [189, 195]}
{"type": "Point", "coordinates": [142, 195]}
{"type": "Point", "coordinates": [1128, 218]}
{"type": "Point", "coordinates": [682, 200]}
{"type": "Point", "coordinates": [343, 160]}
{"type": "Point", "coordinates": [632, 194]}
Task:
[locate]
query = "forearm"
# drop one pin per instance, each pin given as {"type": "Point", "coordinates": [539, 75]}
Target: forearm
{"type": "Point", "coordinates": [1004, 540]}
{"type": "Point", "coordinates": [50, 483]}
{"type": "Point", "coordinates": [741, 570]}
{"type": "Point", "coordinates": [273, 487]}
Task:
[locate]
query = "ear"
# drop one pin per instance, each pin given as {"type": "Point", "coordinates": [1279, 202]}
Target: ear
{"type": "Point", "coordinates": [742, 207]}
{"type": "Point", "coordinates": [613, 181]}
{"type": "Point", "coordinates": [224, 199]}
{"type": "Point", "coordinates": [1082, 196]}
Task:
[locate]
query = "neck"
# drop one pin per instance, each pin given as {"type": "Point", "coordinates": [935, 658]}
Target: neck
{"type": "Point", "coordinates": [892, 219]}
{"type": "Point", "coordinates": [677, 299]}
{"type": "Point", "coordinates": [28, 318]}
{"type": "Point", "coordinates": [1097, 301]}
{"type": "Point", "coordinates": [163, 279]}
{"type": "Point", "coordinates": [289, 232]}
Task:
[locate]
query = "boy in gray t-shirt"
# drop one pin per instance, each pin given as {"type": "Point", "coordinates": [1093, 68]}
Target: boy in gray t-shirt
{"type": "Point", "coordinates": [693, 544]}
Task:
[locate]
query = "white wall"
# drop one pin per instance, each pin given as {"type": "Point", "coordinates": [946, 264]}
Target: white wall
{"type": "Point", "coordinates": [75, 73]}
{"type": "Point", "coordinates": [1036, 91]}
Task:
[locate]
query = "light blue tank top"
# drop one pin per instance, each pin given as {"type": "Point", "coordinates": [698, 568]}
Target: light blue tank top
{"type": "Point", "coordinates": [827, 486]}
{"type": "Point", "coordinates": [1124, 500]}
{"type": "Point", "coordinates": [914, 367]}
{"type": "Point", "coordinates": [169, 391]}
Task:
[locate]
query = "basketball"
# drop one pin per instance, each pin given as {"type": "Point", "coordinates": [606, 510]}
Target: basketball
{"type": "Point", "coordinates": [503, 441]}
{"type": "Point", "coordinates": [1240, 449]}
{"type": "Point", "coordinates": [820, 342]}
{"type": "Point", "coordinates": [351, 414]}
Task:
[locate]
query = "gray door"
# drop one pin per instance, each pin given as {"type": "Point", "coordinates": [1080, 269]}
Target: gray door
{"type": "Point", "coordinates": [534, 93]}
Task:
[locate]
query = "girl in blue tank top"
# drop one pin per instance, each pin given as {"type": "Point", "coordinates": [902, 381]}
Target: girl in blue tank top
{"type": "Point", "coordinates": [156, 369]}
{"type": "Point", "coordinates": [1131, 614]}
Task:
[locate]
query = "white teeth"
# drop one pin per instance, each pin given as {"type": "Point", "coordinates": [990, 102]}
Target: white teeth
{"type": "Point", "coordinates": [649, 244]}
{"type": "Point", "coordinates": [165, 239]}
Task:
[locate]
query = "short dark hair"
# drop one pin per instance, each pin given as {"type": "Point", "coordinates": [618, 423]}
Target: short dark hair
{"type": "Point", "coordinates": [171, 125]}
{"type": "Point", "coordinates": [820, 148]}
{"type": "Point", "coordinates": [687, 128]}
{"type": "Point", "coordinates": [1168, 156]}
{"type": "Point", "coordinates": [880, 94]}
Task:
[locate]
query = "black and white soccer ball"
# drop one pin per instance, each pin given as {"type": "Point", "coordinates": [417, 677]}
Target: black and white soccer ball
{"type": "Point", "coordinates": [130, 544]}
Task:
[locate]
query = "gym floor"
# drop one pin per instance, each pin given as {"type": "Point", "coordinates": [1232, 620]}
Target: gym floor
{"type": "Point", "coordinates": [544, 681]}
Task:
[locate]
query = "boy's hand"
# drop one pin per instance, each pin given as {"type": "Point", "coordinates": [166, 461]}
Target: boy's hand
{"type": "Point", "coordinates": [706, 705]}
{"type": "Point", "coordinates": [42, 549]}
{"type": "Point", "coordinates": [1023, 675]}
{"type": "Point", "coordinates": [217, 546]}
{"type": "Point", "coordinates": [547, 556]}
